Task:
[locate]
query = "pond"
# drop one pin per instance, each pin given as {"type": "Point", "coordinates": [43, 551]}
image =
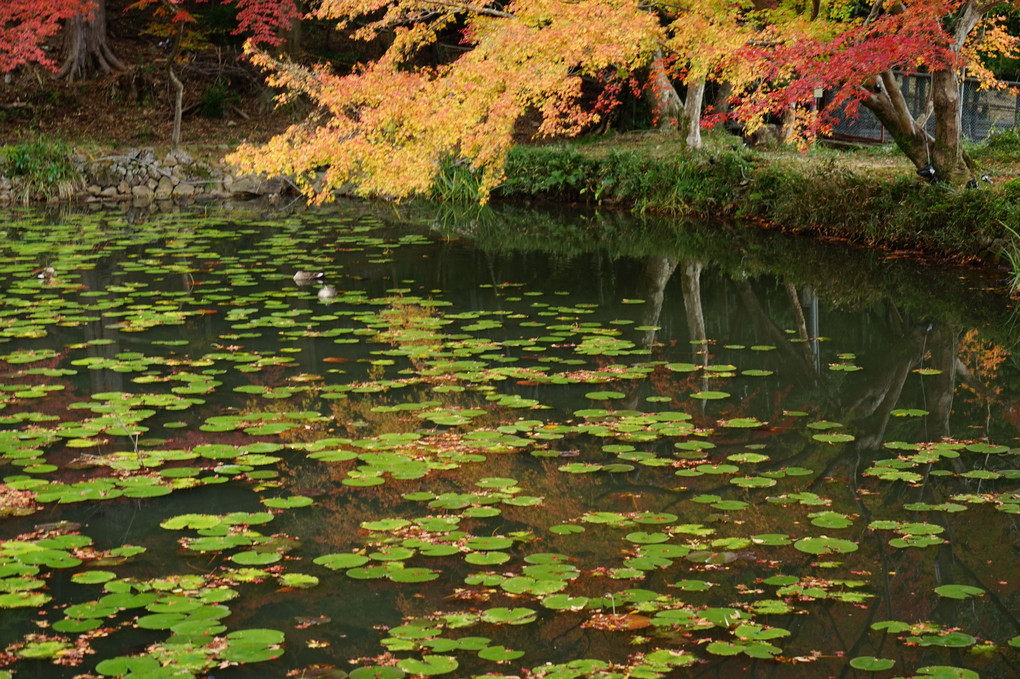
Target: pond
{"type": "Point", "coordinates": [507, 443]}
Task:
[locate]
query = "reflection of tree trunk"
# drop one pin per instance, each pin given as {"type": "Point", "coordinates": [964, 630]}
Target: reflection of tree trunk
{"type": "Point", "coordinates": [695, 313]}
{"type": "Point", "coordinates": [882, 395]}
{"type": "Point", "coordinates": [802, 331]}
{"type": "Point", "coordinates": [86, 47]}
{"type": "Point", "coordinates": [943, 344]}
{"type": "Point", "coordinates": [656, 274]}
{"type": "Point", "coordinates": [101, 380]}
{"type": "Point", "coordinates": [803, 370]}
{"type": "Point", "coordinates": [871, 406]}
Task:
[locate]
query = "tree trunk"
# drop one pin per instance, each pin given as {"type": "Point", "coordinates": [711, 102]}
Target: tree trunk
{"type": "Point", "coordinates": [692, 111]}
{"type": "Point", "coordinates": [666, 107]}
{"type": "Point", "coordinates": [86, 49]}
{"type": "Point", "coordinates": [948, 157]}
{"type": "Point", "coordinates": [293, 34]}
{"type": "Point", "coordinates": [175, 135]}
{"type": "Point", "coordinates": [944, 153]}
{"type": "Point", "coordinates": [889, 105]}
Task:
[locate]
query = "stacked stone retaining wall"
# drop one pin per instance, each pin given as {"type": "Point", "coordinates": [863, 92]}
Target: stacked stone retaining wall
{"type": "Point", "coordinates": [140, 176]}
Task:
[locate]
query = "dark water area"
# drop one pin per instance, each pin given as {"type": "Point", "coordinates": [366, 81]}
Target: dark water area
{"type": "Point", "coordinates": [503, 443]}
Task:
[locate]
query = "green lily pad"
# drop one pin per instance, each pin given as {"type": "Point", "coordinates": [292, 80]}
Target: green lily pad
{"type": "Point", "coordinates": [869, 663]}
{"type": "Point", "coordinates": [958, 591]}
{"type": "Point", "coordinates": [429, 665]}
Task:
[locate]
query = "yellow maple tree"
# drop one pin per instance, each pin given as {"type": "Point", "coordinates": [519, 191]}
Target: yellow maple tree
{"type": "Point", "coordinates": [388, 127]}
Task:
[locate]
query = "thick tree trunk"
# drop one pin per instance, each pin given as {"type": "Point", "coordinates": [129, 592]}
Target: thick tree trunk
{"type": "Point", "coordinates": [944, 153]}
{"type": "Point", "coordinates": [86, 49]}
{"type": "Point", "coordinates": [949, 158]}
{"type": "Point", "coordinates": [666, 107]}
{"type": "Point", "coordinates": [692, 111]}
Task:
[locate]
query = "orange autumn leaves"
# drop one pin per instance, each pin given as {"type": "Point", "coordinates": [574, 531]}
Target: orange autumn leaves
{"type": "Point", "coordinates": [456, 79]}
{"type": "Point", "coordinates": [389, 126]}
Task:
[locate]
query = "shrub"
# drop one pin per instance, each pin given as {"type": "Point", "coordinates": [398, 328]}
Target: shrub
{"type": "Point", "coordinates": [214, 101]}
{"type": "Point", "coordinates": [41, 167]}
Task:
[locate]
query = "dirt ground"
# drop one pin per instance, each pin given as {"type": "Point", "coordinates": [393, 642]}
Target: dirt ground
{"type": "Point", "coordinates": [135, 108]}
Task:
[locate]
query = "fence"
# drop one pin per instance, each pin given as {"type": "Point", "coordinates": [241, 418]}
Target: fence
{"type": "Point", "coordinates": [983, 111]}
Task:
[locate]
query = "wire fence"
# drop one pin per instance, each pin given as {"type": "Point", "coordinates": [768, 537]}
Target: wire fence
{"type": "Point", "coordinates": [983, 111]}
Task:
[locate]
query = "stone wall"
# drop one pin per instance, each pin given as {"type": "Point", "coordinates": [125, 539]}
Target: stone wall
{"type": "Point", "coordinates": [140, 176]}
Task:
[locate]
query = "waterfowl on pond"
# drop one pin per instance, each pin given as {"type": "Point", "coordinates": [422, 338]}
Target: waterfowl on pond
{"type": "Point", "coordinates": [307, 277]}
{"type": "Point", "coordinates": [327, 292]}
{"type": "Point", "coordinates": [47, 273]}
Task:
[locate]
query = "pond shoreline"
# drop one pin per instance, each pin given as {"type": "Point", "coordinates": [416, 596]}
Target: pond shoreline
{"type": "Point", "coordinates": [821, 198]}
{"type": "Point", "coordinates": [828, 199]}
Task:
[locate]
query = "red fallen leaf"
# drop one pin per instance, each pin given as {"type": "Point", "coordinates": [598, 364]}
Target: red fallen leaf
{"type": "Point", "coordinates": [306, 622]}
{"type": "Point", "coordinates": [528, 383]}
{"type": "Point", "coordinates": [617, 621]}
{"type": "Point", "coordinates": [207, 311]}
{"type": "Point", "coordinates": [335, 359]}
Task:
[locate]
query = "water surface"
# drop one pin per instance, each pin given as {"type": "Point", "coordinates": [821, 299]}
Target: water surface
{"type": "Point", "coordinates": [515, 443]}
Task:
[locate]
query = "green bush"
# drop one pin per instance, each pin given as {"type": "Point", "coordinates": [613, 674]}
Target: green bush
{"type": "Point", "coordinates": [1002, 146]}
{"type": "Point", "coordinates": [215, 99]}
{"type": "Point", "coordinates": [41, 167]}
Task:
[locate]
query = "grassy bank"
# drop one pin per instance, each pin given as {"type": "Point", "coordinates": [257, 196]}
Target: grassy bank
{"type": "Point", "coordinates": [867, 196]}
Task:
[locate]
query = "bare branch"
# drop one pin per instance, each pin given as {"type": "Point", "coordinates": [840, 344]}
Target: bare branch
{"type": "Point", "coordinates": [486, 11]}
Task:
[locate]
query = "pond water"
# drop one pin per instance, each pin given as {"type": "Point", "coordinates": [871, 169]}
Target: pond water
{"type": "Point", "coordinates": [514, 443]}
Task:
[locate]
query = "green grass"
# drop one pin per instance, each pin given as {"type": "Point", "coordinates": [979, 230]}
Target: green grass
{"type": "Point", "coordinates": [40, 168]}
{"type": "Point", "coordinates": [868, 195]}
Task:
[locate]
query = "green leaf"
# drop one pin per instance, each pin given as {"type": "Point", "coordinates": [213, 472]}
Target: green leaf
{"type": "Point", "coordinates": [869, 663]}
{"type": "Point", "coordinates": [429, 665]}
{"type": "Point", "coordinates": [958, 591]}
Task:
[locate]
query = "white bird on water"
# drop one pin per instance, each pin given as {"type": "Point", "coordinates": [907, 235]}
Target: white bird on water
{"type": "Point", "coordinates": [307, 277]}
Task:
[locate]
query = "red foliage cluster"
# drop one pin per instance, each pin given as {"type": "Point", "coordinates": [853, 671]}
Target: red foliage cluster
{"type": "Point", "coordinates": [26, 24]}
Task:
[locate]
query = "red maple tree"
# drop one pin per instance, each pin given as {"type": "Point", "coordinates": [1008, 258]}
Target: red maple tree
{"type": "Point", "coordinates": [26, 24]}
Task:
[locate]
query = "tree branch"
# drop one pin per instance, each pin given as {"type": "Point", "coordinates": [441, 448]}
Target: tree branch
{"type": "Point", "coordinates": [486, 11]}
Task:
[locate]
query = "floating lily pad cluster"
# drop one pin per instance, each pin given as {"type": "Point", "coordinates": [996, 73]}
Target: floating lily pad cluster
{"type": "Point", "coordinates": [438, 482]}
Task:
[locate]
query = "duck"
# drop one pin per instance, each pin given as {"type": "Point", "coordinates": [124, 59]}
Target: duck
{"type": "Point", "coordinates": [326, 293]}
{"type": "Point", "coordinates": [48, 275]}
{"type": "Point", "coordinates": [307, 277]}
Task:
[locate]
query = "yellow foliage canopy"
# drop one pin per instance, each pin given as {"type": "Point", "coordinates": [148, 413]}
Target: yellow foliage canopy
{"type": "Point", "coordinates": [388, 127]}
